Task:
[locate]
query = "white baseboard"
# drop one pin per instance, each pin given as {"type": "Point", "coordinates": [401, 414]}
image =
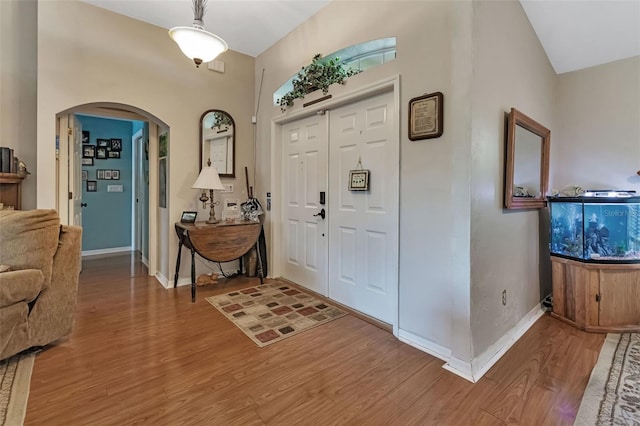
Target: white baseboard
{"type": "Point", "coordinates": [218, 270]}
{"type": "Point", "coordinates": [106, 251]}
{"type": "Point", "coordinates": [478, 366]}
{"type": "Point", "coordinates": [163, 280]}
{"type": "Point", "coordinates": [460, 368]}
{"type": "Point", "coordinates": [425, 345]}
{"type": "Point", "coordinates": [488, 358]}
{"type": "Point", "coordinates": [183, 281]}
{"type": "Point", "coordinates": [145, 261]}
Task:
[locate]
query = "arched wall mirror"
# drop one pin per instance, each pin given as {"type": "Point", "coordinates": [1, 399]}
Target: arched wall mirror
{"type": "Point", "coordinates": [527, 162]}
{"type": "Point", "coordinates": [218, 141]}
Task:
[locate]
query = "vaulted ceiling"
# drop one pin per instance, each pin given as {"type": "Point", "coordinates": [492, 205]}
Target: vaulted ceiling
{"type": "Point", "coordinates": [575, 33]}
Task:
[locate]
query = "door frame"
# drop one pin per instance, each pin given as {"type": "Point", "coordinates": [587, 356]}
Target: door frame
{"type": "Point", "coordinates": [277, 257]}
{"type": "Point", "coordinates": [136, 213]}
{"type": "Point", "coordinates": [111, 110]}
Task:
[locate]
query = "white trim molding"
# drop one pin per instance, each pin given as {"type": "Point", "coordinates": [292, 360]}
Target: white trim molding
{"type": "Point", "coordinates": [478, 366]}
{"type": "Point", "coordinates": [106, 251]}
{"type": "Point", "coordinates": [425, 345]}
{"type": "Point", "coordinates": [162, 279]}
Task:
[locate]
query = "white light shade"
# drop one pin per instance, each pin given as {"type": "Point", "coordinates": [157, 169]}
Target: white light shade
{"type": "Point", "coordinates": [198, 44]}
{"type": "Point", "coordinates": [208, 179]}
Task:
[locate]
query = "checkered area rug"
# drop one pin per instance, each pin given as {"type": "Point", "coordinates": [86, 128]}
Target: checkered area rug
{"type": "Point", "coordinates": [274, 311]}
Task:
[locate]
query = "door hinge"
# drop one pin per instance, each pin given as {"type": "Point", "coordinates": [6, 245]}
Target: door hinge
{"type": "Point", "coordinates": [597, 297]}
{"type": "Point", "coordinates": [71, 195]}
{"type": "Point", "coordinates": [70, 131]}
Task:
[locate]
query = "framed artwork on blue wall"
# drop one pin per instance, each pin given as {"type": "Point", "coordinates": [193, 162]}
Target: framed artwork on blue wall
{"type": "Point", "coordinates": [104, 143]}
{"type": "Point", "coordinates": [101, 153]}
{"type": "Point", "coordinates": [116, 144]}
{"type": "Point", "coordinates": [88, 151]}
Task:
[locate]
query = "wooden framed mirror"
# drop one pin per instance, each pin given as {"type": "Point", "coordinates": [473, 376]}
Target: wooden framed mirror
{"type": "Point", "coordinates": [527, 162]}
{"type": "Point", "coordinates": [218, 141]}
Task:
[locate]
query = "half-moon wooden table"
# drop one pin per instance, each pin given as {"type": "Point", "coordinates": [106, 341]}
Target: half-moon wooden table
{"type": "Point", "coordinates": [219, 242]}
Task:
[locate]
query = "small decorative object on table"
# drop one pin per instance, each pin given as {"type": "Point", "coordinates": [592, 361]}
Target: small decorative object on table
{"type": "Point", "coordinates": [188, 217]}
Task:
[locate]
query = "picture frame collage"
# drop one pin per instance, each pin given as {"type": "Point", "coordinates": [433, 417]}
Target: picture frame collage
{"type": "Point", "coordinates": [102, 174]}
{"type": "Point", "coordinates": [104, 149]}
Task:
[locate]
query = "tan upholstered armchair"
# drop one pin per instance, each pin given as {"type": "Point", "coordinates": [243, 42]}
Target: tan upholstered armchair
{"type": "Point", "coordinates": [38, 292]}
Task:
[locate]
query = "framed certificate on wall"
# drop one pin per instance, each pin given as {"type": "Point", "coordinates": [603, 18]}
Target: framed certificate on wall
{"type": "Point", "coordinates": [426, 116]}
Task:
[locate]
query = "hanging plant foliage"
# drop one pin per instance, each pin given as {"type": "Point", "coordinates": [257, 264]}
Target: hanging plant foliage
{"type": "Point", "coordinates": [319, 74]}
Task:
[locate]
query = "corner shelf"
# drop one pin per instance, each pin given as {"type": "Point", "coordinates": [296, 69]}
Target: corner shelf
{"type": "Point", "coordinates": [11, 189]}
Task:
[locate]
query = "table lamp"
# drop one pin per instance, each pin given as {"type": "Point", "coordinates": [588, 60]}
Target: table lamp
{"type": "Point", "coordinates": [208, 179]}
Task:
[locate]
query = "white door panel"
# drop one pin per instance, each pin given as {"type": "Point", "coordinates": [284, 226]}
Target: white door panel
{"type": "Point", "coordinates": [363, 230]}
{"type": "Point", "coordinates": [352, 256]}
{"type": "Point", "coordinates": [305, 162]}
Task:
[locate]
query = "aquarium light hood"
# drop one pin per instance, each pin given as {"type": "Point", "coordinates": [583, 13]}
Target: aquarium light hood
{"type": "Point", "coordinates": [608, 193]}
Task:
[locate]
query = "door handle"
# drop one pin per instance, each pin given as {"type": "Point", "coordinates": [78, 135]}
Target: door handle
{"type": "Point", "coordinates": [322, 214]}
{"type": "Point", "coordinates": [83, 204]}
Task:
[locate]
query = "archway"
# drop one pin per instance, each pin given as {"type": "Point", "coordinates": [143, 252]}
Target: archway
{"type": "Point", "coordinates": [68, 166]}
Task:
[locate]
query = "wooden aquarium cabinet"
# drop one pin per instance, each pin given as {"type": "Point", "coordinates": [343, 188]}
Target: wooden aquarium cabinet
{"type": "Point", "coordinates": [597, 297]}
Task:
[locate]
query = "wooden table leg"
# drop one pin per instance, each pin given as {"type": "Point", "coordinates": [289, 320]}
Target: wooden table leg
{"type": "Point", "coordinates": [193, 276]}
{"type": "Point", "coordinates": [259, 264]}
{"type": "Point", "coordinates": [175, 277]}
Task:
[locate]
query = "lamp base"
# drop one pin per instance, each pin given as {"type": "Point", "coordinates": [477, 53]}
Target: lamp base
{"type": "Point", "coordinates": [212, 213]}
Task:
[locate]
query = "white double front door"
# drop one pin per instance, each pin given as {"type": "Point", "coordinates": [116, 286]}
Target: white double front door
{"type": "Point", "coordinates": [350, 255]}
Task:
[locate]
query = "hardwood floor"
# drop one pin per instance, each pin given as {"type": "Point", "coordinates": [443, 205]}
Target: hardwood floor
{"type": "Point", "coordinates": [141, 354]}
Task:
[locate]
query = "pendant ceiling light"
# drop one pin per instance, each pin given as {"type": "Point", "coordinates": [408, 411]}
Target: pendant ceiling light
{"type": "Point", "coordinates": [196, 43]}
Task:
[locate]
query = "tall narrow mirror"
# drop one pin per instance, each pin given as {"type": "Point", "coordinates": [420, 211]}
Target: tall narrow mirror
{"type": "Point", "coordinates": [217, 141]}
{"type": "Point", "coordinates": [527, 162]}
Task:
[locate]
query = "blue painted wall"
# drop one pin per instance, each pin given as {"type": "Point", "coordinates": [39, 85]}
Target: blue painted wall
{"type": "Point", "coordinates": [106, 220]}
{"type": "Point", "coordinates": [137, 125]}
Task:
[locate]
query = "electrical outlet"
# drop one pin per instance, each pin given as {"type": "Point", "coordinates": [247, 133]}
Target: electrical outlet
{"type": "Point", "coordinates": [228, 187]}
{"type": "Point", "coordinates": [504, 297]}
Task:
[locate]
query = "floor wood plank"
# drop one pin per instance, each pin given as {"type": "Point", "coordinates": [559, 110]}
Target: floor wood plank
{"type": "Point", "coordinates": [142, 354]}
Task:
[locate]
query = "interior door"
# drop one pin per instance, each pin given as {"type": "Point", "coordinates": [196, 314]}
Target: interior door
{"type": "Point", "coordinates": [75, 170]}
{"type": "Point", "coordinates": [363, 271]}
{"type": "Point", "coordinates": [138, 194]}
{"type": "Point", "coordinates": [304, 174]}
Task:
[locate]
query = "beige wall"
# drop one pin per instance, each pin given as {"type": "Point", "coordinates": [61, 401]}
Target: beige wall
{"type": "Point", "coordinates": [598, 139]}
{"type": "Point", "coordinates": [18, 88]}
{"type": "Point", "coordinates": [453, 231]}
{"type": "Point", "coordinates": [458, 248]}
{"type": "Point", "coordinates": [511, 69]}
{"type": "Point", "coordinates": [432, 231]}
{"type": "Point", "coordinates": [87, 54]}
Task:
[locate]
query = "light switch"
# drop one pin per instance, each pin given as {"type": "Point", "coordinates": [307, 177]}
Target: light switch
{"type": "Point", "coordinates": [114, 188]}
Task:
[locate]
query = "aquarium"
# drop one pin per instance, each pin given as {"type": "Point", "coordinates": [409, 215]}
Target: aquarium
{"type": "Point", "coordinates": [598, 229]}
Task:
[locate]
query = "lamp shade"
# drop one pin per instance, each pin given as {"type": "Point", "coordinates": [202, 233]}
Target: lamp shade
{"type": "Point", "coordinates": [197, 44]}
{"type": "Point", "coordinates": [208, 179]}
